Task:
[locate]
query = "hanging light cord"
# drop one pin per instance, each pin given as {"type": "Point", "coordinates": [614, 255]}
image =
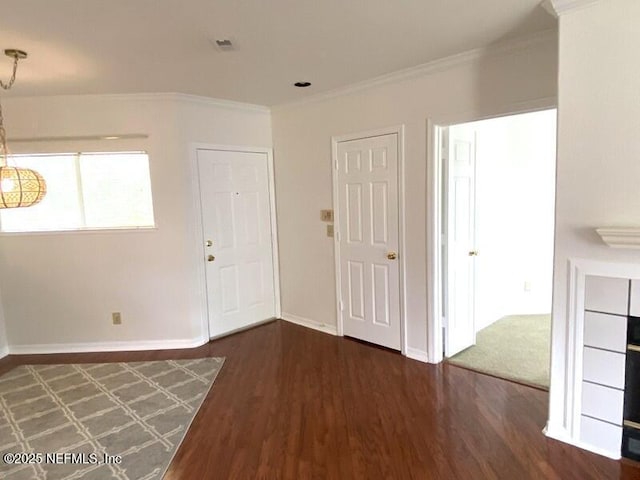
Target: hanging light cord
{"type": "Point", "coordinates": [12, 80]}
{"type": "Point", "coordinates": [4, 151]}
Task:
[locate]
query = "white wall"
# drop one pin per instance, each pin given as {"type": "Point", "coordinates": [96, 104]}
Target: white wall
{"type": "Point", "coordinates": [61, 288]}
{"type": "Point", "coordinates": [598, 174]}
{"type": "Point", "coordinates": [302, 133]}
{"type": "Point", "coordinates": [515, 192]}
{"type": "Point", "coordinates": [4, 344]}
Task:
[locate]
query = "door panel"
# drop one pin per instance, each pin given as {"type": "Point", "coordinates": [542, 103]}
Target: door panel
{"type": "Point", "coordinates": [356, 290]}
{"type": "Point", "coordinates": [354, 212]}
{"type": "Point", "coordinates": [236, 217]}
{"type": "Point", "coordinates": [379, 210]}
{"type": "Point", "coordinates": [368, 230]}
{"type": "Point", "coordinates": [380, 290]}
{"type": "Point", "coordinates": [460, 154]}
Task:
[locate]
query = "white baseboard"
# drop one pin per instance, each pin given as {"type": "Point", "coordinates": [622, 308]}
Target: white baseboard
{"type": "Point", "coordinates": [413, 353]}
{"type": "Point", "coordinates": [306, 322]}
{"type": "Point", "coordinates": [243, 329]}
{"type": "Point", "coordinates": [557, 433]}
{"type": "Point", "coordinates": [562, 435]}
{"type": "Point", "coordinates": [128, 346]}
{"type": "Point", "coordinates": [417, 354]}
{"type": "Point", "coordinates": [4, 351]}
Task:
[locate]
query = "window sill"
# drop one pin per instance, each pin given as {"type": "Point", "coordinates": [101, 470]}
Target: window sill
{"type": "Point", "coordinates": [83, 231]}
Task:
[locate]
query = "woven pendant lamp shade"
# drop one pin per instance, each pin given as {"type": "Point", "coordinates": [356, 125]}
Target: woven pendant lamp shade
{"type": "Point", "coordinates": [20, 187]}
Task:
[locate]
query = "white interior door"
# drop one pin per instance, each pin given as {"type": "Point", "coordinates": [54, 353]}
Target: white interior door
{"type": "Point", "coordinates": [367, 238]}
{"type": "Point", "coordinates": [459, 152]}
{"type": "Point", "coordinates": [238, 247]}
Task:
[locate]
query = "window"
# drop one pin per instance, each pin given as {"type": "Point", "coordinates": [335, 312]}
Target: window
{"type": "Point", "coordinates": [86, 191]}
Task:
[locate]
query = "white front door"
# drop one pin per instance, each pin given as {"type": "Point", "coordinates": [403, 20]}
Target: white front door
{"type": "Point", "coordinates": [368, 239]}
{"type": "Point", "coordinates": [238, 250]}
{"type": "Point", "coordinates": [459, 151]}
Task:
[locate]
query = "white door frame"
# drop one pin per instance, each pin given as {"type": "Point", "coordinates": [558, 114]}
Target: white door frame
{"type": "Point", "coordinates": [435, 349]}
{"type": "Point", "coordinates": [198, 233]}
{"type": "Point", "coordinates": [335, 140]}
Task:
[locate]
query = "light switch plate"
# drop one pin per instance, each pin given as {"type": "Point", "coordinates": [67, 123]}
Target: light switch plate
{"type": "Point", "coordinates": [329, 230]}
{"type": "Point", "coordinates": [326, 215]}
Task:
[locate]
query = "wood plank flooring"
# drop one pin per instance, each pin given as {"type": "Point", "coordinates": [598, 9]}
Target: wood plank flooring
{"type": "Point", "coordinates": [292, 403]}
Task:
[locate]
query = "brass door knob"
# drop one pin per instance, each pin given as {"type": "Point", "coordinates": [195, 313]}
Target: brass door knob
{"type": "Point", "coordinates": [209, 243]}
{"type": "Point", "coordinates": [210, 258]}
{"type": "Point", "coordinates": [473, 253]}
{"type": "Point", "coordinates": [392, 255]}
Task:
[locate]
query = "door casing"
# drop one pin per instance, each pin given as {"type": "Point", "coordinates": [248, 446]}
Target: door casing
{"type": "Point", "coordinates": [335, 140]}
{"type": "Point", "coordinates": [198, 232]}
{"type": "Point", "coordinates": [435, 260]}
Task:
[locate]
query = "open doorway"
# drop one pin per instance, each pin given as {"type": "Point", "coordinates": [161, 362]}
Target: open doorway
{"type": "Point", "coordinates": [497, 244]}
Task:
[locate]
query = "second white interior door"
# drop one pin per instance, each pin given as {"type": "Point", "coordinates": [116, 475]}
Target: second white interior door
{"type": "Point", "coordinates": [236, 220]}
{"type": "Point", "coordinates": [368, 239]}
{"type": "Point", "coordinates": [460, 158]}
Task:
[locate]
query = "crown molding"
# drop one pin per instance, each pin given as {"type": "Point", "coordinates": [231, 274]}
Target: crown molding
{"type": "Point", "coordinates": [216, 102]}
{"type": "Point", "coordinates": [192, 99]}
{"type": "Point", "coordinates": [560, 7]}
{"type": "Point", "coordinates": [442, 64]}
{"type": "Point", "coordinates": [160, 96]}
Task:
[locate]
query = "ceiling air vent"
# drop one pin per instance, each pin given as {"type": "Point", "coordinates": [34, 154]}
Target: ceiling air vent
{"type": "Point", "coordinates": [223, 44]}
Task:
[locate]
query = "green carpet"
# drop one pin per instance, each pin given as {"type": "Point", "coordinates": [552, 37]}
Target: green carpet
{"type": "Point", "coordinates": [516, 347]}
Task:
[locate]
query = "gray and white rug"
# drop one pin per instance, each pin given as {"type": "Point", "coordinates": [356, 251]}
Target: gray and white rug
{"type": "Point", "coordinates": [99, 421]}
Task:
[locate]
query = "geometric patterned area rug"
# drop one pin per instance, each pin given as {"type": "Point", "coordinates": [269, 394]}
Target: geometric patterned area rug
{"type": "Point", "coordinates": [101, 421]}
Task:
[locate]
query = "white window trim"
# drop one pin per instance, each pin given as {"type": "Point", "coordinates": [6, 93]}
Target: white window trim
{"type": "Point", "coordinates": [86, 230]}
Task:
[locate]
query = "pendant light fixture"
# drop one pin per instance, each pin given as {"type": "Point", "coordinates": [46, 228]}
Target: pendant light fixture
{"type": "Point", "coordinates": [19, 187]}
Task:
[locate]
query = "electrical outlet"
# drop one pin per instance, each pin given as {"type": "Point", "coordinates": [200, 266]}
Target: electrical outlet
{"type": "Point", "coordinates": [527, 286]}
{"type": "Point", "coordinates": [326, 215]}
{"type": "Point", "coordinates": [117, 318]}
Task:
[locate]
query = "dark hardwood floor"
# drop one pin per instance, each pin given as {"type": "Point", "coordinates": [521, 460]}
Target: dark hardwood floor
{"type": "Point", "coordinates": [292, 403]}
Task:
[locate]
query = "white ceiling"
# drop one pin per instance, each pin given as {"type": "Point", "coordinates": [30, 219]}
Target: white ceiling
{"type": "Point", "coordinates": [127, 46]}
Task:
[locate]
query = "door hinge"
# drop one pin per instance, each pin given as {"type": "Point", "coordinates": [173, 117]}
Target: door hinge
{"type": "Point", "coordinates": [335, 164]}
{"type": "Point", "coordinates": [341, 306]}
{"type": "Point", "coordinates": [445, 322]}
